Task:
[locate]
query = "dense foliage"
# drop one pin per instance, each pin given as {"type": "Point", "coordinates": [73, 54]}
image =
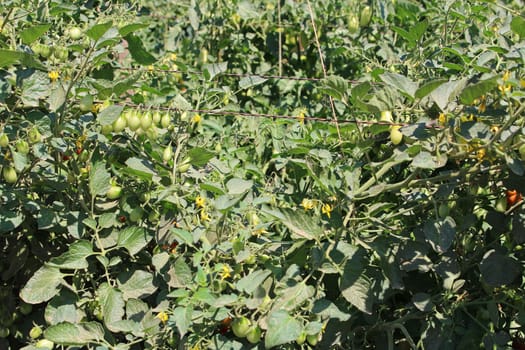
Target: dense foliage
{"type": "Point", "coordinates": [227, 174]}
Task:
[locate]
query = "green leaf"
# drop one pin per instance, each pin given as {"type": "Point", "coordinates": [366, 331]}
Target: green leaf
{"type": "Point", "coordinates": [34, 89]}
{"type": "Point", "coordinates": [182, 317]}
{"type": "Point", "coordinates": [334, 86]}
{"type": "Point", "coordinates": [75, 257]}
{"type": "Point", "coordinates": [252, 281]}
{"type": "Point", "coordinates": [141, 168]}
{"type": "Point", "coordinates": [99, 179]}
{"type": "Point", "coordinates": [355, 285]}
{"type": "Point", "coordinates": [199, 157]}
{"type": "Point", "coordinates": [109, 114]}
{"type": "Point", "coordinates": [57, 97]}
{"type": "Point", "coordinates": [10, 220]}
{"type": "Point", "coordinates": [327, 309]}
{"type": "Point", "coordinates": [291, 298]}
{"type": "Point", "coordinates": [301, 224]}
{"type": "Point", "coordinates": [499, 270]}
{"type": "Point", "coordinates": [63, 308]}
{"type": "Point", "coordinates": [214, 69]}
{"type": "Point", "coordinates": [400, 82]}
{"type": "Point", "coordinates": [111, 303]}
{"type": "Point", "coordinates": [518, 26]}
{"type": "Point", "coordinates": [440, 233]}
{"type": "Point", "coordinates": [180, 275]}
{"type": "Point", "coordinates": [251, 81]}
{"type": "Point", "coordinates": [474, 91]}
{"type": "Point", "coordinates": [137, 50]}
{"type": "Point", "coordinates": [427, 88]}
{"type": "Point", "coordinates": [130, 28]}
{"type": "Point", "coordinates": [137, 286]}
{"type": "Point", "coordinates": [238, 186]}
{"type": "Point", "coordinates": [282, 329]}
{"type": "Point", "coordinates": [98, 30]}
{"type": "Point", "coordinates": [31, 34]}
{"type": "Point", "coordinates": [133, 239]}
{"type": "Point", "coordinates": [42, 286]}
{"type": "Point", "coordinates": [66, 333]}
{"type": "Point", "coordinates": [9, 58]}
{"type": "Point", "coordinates": [182, 236]}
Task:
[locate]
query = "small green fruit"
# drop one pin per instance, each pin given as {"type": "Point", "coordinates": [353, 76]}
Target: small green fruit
{"type": "Point", "coordinates": [254, 334]}
{"type": "Point", "coordinates": [114, 192]}
{"type": "Point", "coordinates": [75, 33]}
{"type": "Point", "coordinates": [119, 124]}
{"type": "Point", "coordinates": [35, 332]}
{"type": "Point", "coordinates": [167, 155]}
{"type": "Point", "coordinates": [4, 140]}
{"type": "Point", "coordinates": [146, 121]}
{"type": "Point", "coordinates": [353, 23]}
{"type": "Point", "coordinates": [25, 308]}
{"type": "Point", "coordinates": [241, 327]}
{"type": "Point", "coordinates": [134, 121]}
{"type": "Point", "coordinates": [366, 15]}
{"type": "Point", "coordinates": [301, 338]}
{"type": "Point", "coordinates": [312, 339]}
{"type": "Point", "coordinates": [9, 174]}
{"type": "Point", "coordinates": [34, 135]}
{"type": "Point", "coordinates": [395, 135]}
{"type": "Point", "coordinates": [22, 147]}
{"type": "Point", "coordinates": [86, 103]}
{"type": "Point", "coordinates": [45, 344]}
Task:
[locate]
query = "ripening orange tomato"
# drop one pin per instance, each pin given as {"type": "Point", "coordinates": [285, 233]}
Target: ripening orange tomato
{"type": "Point", "coordinates": [513, 197]}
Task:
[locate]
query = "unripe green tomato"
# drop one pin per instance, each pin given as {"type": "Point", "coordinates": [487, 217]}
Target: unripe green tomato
{"type": "Point", "coordinates": [184, 117]}
{"type": "Point", "coordinates": [353, 23]}
{"type": "Point", "coordinates": [45, 344]}
{"type": "Point", "coordinates": [301, 338]}
{"type": "Point", "coordinates": [45, 51]}
{"type": "Point", "coordinates": [218, 148]}
{"type": "Point", "coordinates": [75, 33]}
{"type": "Point", "coordinates": [134, 121]}
{"type": "Point", "coordinates": [37, 48]}
{"type": "Point", "coordinates": [386, 116]}
{"type": "Point", "coordinates": [119, 124]}
{"type": "Point", "coordinates": [83, 156]}
{"type": "Point", "coordinates": [153, 216]}
{"type": "Point", "coordinates": [136, 214]}
{"type": "Point", "coordinates": [146, 121]}
{"type": "Point", "coordinates": [4, 140]}
{"type": "Point", "coordinates": [312, 339]}
{"type": "Point", "coordinates": [366, 15]}
{"type": "Point", "coordinates": [25, 308]}
{"type": "Point", "coordinates": [522, 151]}
{"type": "Point", "coordinates": [254, 334]}
{"type": "Point", "coordinates": [86, 103]}
{"type": "Point", "coordinates": [443, 210]}
{"type": "Point", "coordinates": [61, 53]}
{"type": "Point", "coordinates": [4, 332]}
{"type": "Point", "coordinates": [9, 174]}
{"type": "Point", "coordinates": [241, 326]}
{"type": "Point", "coordinates": [114, 192]}
{"type": "Point", "coordinates": [203, 56]}
{"type": "Point", "coordinates": [501, 205]}
{"type": "Point", "coordinates": [22, 147]}
{"type": "Point", "coordinates": [35, 332]}
{"type": "Point", "coordinates": [165, 121]}
{"type": "Point", "coordinates": [106, 129]}
{"type": "Point", "coordinates": [184, 167]}
{"type": "Point", "coordinates": [145, 197]}
{"type": "Point", "coordinates": [152, 133]}
{"type": "Point", "coordinates": [395, 135]}
{"type": "Point", "coordinates": [167, 154]}
{"type": "Point", "coordinates": [156, 118]}
{"type": "Point", "coordinates": [34, 135]}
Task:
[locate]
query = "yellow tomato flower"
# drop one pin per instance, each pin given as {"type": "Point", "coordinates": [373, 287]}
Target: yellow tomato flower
{"type": "Point", "coordinates": [301, 115]}
{"type": "Point", "coordinates": [150, 68]}
{"type": "Point", "coordinates": [225, 272]}
{"type": "Point", "coordinates": [162, 316]}
{"type": "Point", "coordinates": [327, 209]}
{"type": "Point", "coordinates": [196, 119]}
{"type": "Point", "coordinates": [442, 119]}
{"type": "Point", "coordinates": [53, 75]}
{"type": "Point", "coordinates": [505, 88]}
{"type": "Point", "coordinates": [522, 83]}
{"type": "Point", "coordinates": [307, 204]}
{"type": "Point", "coordinates": [200, 202]}
{"type": "Point", "coordinates": [173, 56]}
{"type": "Point", "coordinates": [506, 75]}
{"type": "Point", "coordinates": [480, 154]}
{"type": "Point", "coordinates": [204, 215]}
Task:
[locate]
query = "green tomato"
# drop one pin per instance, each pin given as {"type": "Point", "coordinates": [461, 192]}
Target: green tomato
{"type": "Point", "coordinates": [4, 332]}
{"type": "Point", "coordinates": [4, 140]}
{"type": "Point", "coordinates": [114, 192]}
{"type": "Point", "coordinates": [156, 118]}
{"type": "Point", "coordinates": [443, 210]}
{"type": "Point", "coordinates": [134, 121]}
{"type": "Point", "coordinates": [312, 339]}
{"type": "Point", "coordinates": [45, 344]}
{"type": "Point", "coordinates": [61, 53]}
{"type": "Point", "coordinates": [386, 116]}
{"type": "Point", "coordinates": [9, 174]}
{"type": "Point", "coordinates": [254, 334]}
{"type": "Point", "coordinates": [136, 214]}
{"type": "Point", "coordinates": [146, 121]}
{"type": "Point", "coordinates": [119, 124]}
{"type": "Point", "coordinates": [165, 121]}
{"type": "Point", "coordinates": [501, 205]}
{"type": "Point", "coordinates": [353, 23]}
{"type": "Point", "coordinates": [106, 129]}
{"type": "Point", "coordinates": [75, 33]}
{"type": "Point", "coordinates": [396, 136]}
{"type": "Point", "coordinates": [301, 338]}
{"type": "Point", "coordinates": [34, 135]}
{"type": "Point", "coordinates": [22, 147]}
{"type": "Point", "coordinates": [522, 151]}
{"type": "Point", "coordinates": [167, 154]}
{"type": "Point", "coordinates": [366, 15]}
{"type": "Point", "coordinates": [86, 103]}
{"type": "Point", "coordinates": [241, 326]}
{"type": "Point", "coordinates": [25, 308]}
{"type": "Point", "coordinates": [35, 332]}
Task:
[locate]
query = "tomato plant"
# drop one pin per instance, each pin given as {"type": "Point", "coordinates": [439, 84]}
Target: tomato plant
{"type": "Point", "coordinates": [245, 174]}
